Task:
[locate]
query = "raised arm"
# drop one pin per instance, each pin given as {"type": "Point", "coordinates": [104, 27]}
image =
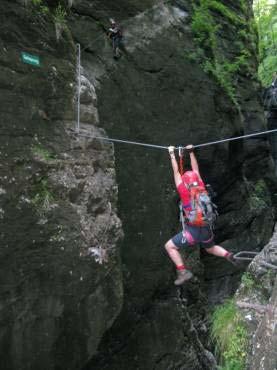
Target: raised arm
{"type": "Point", "coordinates": [193, 160]}
{"type": "Point", "coordinates": [174, 164]}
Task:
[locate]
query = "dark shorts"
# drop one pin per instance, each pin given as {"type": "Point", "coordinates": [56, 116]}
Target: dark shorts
{"type": "Point", "coordinates": [194, 235]}
{"type": "Point", "coordinates": [117, 42]}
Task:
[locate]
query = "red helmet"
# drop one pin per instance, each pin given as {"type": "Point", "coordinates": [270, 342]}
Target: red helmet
{"type": "Point", "coordinates": [189, 177]}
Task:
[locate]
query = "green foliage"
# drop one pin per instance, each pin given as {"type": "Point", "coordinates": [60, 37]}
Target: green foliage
{"type": "Point", "coordinates": [248, 281]}
{"type": "Point", "coordinates": [244, 5]}
{"type": "Point", "coordinates": [37, 2]}
{"type": "Point", "coordinates": [59, 14]}
{"type": "Point", "coordinates": [260, 198]}
{"type": "Point", "coordinates": [266, 17]}
{"type": "Point", "coordinates": [230, 335]}
{"type": "Point", "coordinates": [41, 8]}
{"type": "Point", "coordinates": [224, 11]}
{"type": "Point", "coordinates": [222, 73]}
{"type": "Point", "coordinates": [271, 275]}
{"type": "Point", "coordinates": [260, 188]}
{"type": "Point", "coordinates": [267, 67]}
{"type": "Point", "coordinates": [203, 26]}
{"type": "Point", "coordinates": [43, 198]}
{"type": "Point", "coordinates": [206, 28]}
{"type": "Point", "coordinates": [42, 153]}
{"type": "Point", "coordinates": [257, 204]}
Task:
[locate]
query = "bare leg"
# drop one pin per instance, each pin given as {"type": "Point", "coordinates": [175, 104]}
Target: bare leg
{"type": "Point", "coordinates": [173, 253]}
{"type": "Point", "coordinates": [217, 250]}
{"type": "Point", "coordinates": [182, 273]}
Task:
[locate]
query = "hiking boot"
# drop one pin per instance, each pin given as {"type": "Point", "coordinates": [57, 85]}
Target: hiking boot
{"type": "Point", "coordinates": [182, 276]}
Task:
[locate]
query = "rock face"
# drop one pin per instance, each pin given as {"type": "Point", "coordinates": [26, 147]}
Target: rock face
{"type": "Point", "coordinates": [60, 273]}
{"type": "Point", "coordinates": [258, 305]}
{"type": "Point", "coordinates": [64, 283]}
{"type": "Point", "coordinates": [154, 89]}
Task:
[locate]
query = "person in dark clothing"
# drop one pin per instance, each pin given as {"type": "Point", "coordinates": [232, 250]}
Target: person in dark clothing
{"type": "Point", "coordinates": [115, 34]}
{"type": "Point", "coordinates": [192, 235]}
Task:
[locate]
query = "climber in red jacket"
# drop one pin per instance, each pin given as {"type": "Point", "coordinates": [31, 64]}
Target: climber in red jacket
{"type": "Point", "coordinates": [196, 231]}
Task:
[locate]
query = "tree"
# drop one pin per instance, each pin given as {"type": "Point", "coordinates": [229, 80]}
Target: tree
{"type": "Point", "coordinates": [266, 17]}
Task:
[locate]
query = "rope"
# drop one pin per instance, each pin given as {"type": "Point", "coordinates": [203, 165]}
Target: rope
{"type": "Point", "coordinates": [145, 144]}
{"type": "Point", "coordinates": [92, 42]}
{"type": "Point", "coordinates": [166, 147]}
{"type": "Point", "coordinates": [122, 141]}
{"type": "Point", "coordinates": [79, 85]}
{"type": "Point", "coordinates": [235, 138]}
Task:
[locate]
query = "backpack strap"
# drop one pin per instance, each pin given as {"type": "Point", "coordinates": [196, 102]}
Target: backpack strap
{"type": "Point", "coordinates": [182, 216]}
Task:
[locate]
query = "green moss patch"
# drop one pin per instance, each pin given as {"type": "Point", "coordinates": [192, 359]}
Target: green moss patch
{"type": "Point", "coordinates": [206, 29]}
{"type": "Point", "coordinates": [230, 335]}
{"type": "Point", "coordinates": [248, 281]}
{"type": "Point", "coordinates": [42, 197]}
{"type": "Point", "coordinates": [42, 153]}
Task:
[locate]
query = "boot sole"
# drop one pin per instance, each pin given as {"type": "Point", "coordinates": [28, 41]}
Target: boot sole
{"type": "Point", "coordinates": [183, 281]}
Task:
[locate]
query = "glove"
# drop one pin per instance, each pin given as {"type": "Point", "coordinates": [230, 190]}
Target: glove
{"type": "Point", "coordinates": [171, 149]}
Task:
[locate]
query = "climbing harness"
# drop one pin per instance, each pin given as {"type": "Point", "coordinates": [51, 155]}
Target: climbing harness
{"type": "Point", "coordinates": [249, 256]}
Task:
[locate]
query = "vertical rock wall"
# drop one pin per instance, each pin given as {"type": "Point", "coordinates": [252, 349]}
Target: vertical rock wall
{"type": "Point", "coordinates": [156, 93]}
{"type": "Point", "coordinates": [60, 270]}
{"type": "Point", "coordinates": [256, 299]}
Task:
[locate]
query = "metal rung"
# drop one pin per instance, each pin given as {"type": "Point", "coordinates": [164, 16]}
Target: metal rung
{"type": "Point", "coordinates": [249, 257]}
{"type": "Point", "coordinates": [238, 256]}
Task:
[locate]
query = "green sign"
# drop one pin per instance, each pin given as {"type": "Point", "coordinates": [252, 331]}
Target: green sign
{"type": "Point", "coordinates": [30, 59]}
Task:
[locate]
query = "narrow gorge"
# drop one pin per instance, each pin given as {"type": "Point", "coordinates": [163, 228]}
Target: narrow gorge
{"type": "Point", "coordinates": [85, 280]}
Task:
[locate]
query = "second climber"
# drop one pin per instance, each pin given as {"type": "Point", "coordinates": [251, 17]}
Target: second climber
{"type": "Point", "coordinates": [115, 34]}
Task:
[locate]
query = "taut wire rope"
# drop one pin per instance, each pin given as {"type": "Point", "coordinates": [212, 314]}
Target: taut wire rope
{"type": "Point", "coordinates": [83, 134]}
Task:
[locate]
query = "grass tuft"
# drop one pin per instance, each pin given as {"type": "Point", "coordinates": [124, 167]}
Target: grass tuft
{"type": "Point", "coordinates": [230, 335]}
